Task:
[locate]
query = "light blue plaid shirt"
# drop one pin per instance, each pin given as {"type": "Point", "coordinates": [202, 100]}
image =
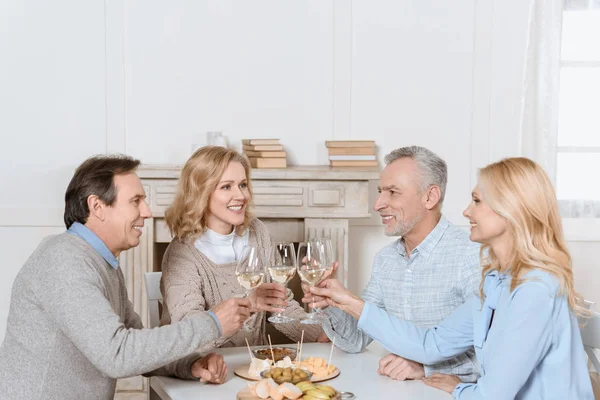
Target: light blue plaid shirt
{"type": "Point", "coordinates": [443, 271]}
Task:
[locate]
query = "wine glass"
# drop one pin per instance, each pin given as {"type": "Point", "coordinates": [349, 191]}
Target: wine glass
{"type": "Point", "coordinates": [311, 269]}
{"type": "Point", "coordinates": [250, 271]}
{"type": "Point", "coordinates": [282, 269]}
{"type": "Point", "coordinates": [328, 259]}
{"type": "Point", "coordinates": [329, 256]}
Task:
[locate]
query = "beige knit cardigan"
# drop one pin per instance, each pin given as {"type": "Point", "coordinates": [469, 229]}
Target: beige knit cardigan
{"type": "Point", "coordinates": [191, 284]}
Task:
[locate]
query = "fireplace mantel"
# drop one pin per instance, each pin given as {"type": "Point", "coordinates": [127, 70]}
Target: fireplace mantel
{"type": "Point", "coordinates": [295, 203]}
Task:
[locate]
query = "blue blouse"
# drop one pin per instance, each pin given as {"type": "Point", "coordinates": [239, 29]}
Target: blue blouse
{"type": "Point", "coordinates": [532, 350]}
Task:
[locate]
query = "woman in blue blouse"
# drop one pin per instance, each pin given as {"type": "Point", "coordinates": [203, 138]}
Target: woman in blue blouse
{"type": "Point", "coordinates": [523, 324]}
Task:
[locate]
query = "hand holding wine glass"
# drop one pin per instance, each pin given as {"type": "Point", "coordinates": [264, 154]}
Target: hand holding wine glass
{"type": "Point", "coordinates": [335, 294]}
{"type": "Point", "coordinates": [311, 269]}
{"type": "Point", "coordinates": [330, 266]}
{"type": "Point", "coordinates": [282, 270]}
{"type": "Point", "coordinates": [327, 261]}
{"type": "Point", "coordinates": [231, 314]}
{"type": "Point", "coordinates": [250, 270]}
{"type": "Point", "coordinates": [269, 297]}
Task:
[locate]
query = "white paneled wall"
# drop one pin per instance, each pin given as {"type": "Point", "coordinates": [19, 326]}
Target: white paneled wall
{"type": "Point", "coordinates": [412, 81]}
{"type": "Point", "coordinates": [142, 77]}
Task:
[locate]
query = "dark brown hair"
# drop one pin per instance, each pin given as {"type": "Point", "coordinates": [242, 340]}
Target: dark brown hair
{"type": "Point", "coordinates": [94, 177]}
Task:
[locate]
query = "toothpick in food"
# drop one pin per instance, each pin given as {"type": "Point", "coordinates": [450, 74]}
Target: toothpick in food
{"type": "Point", "coordinates": [331, 353]}
{"type": "Point", "coordinates": [249, 352]}
{"type": "Point", "coordinates": [271, 347]}
{"type": "Point", "coordinates": [301, 342]}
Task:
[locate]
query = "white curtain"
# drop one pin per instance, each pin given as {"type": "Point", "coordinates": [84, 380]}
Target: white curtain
{"type": "Point", "coordinates": [539, 118]}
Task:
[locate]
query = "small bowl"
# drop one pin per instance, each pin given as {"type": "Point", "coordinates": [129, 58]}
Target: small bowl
{"type": "Point", "coordinates": [279, 381]}
{"type": "Point", "coordinates": [263, 353]}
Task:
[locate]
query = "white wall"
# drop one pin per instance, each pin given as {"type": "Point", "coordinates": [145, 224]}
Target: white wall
{"type": "Point", "coordinates": [52, 116]}
{"type": "Point", "coordinates": [141, 77]}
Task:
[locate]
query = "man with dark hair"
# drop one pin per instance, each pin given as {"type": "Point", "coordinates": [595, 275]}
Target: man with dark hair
{"type": "Point", "coordinates": [71, 329]}
{"type": "Point", "coordinates": [94, 176]}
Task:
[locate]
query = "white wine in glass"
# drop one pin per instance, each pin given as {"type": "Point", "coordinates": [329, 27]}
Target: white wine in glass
{"type": "Point", "coordinates": [282, 274]}
{"type": "Point", "coordinates": [282, 269]}
{"type": "Point", "coordinates": [311, 270]}
{"type": "Point", "coordinates": [250, 271]}
{"type": "Point", "coordinates": [312, 277]}
{"type": "Point", "coordinates": [250, 280]}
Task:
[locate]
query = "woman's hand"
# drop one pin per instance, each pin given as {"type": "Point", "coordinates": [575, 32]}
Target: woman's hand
{"type": "Point", "coordinates": [445, 382]}
{"type": "Point", "coordinates": [271, 297]}
{"type": "Point", "coordinates": [336, 295]}
{"type": "Point", "coordinates": [210, 368]}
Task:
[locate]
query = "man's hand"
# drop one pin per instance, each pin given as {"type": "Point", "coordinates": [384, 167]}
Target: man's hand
{"type": "Point", "coordinates": [399, 368]}
{"type": "Point", "coordinates": [267, 297]}
{"type": "Point", "coordinates": [210, 368]}
{"type": "Point", "coordinates": [336, 295]}
{"type": "Point", "coordinates": [318, 301]}
{"type": "Point", "coordinates": [444, 382]}
{"type": "Point", "coordinates": [231, 314]}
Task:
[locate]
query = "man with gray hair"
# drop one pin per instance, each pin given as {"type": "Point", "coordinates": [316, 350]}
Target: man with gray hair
{"type": "Point", "coordinates": [424, 275]}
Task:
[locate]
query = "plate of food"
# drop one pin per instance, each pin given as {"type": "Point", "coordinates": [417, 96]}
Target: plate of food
{"type": "Point", "coordinates": [282, 375]}
{"type": "Point", "coordinates": [268, 389]}
{"type": "Point", "coordinates": [321, 370]}
{"type": "Point", "coordinates": [314, 368]}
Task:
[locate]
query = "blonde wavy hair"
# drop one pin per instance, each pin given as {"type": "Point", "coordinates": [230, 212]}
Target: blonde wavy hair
{"type": "Point", "coordinates": [520, 191]}
{"type": "Point", "coordinates": [186, 217]}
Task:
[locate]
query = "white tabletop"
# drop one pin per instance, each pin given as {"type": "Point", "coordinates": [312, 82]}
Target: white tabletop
{"type": "Point", "coordinates": [358, 375]}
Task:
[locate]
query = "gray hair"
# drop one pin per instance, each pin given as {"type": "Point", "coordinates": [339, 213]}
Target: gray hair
{"type": "Point", "coordinates": [432, 169]}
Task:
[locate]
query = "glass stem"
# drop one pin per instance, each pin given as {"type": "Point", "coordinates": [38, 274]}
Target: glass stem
{"type": "Point", "coordinates": [245, 326]}
{"type": "Point", "coordinates": [314, 309]}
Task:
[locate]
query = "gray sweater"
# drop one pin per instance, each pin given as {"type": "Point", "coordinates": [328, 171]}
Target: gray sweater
{"type": "Point", "coordinates": [191, 283]}
{"type": "Point", "coordinates": [72, 331]}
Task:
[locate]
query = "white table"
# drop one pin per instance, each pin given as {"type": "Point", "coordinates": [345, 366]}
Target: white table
{"type": "Point", "coordinates": [358, 375]}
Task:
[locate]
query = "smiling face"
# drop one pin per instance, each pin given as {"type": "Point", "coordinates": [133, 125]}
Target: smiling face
{"type": "Point", "coordinates": [487, 226]}
{"type": "Point", "coordinates": [400, 202]}
{"type": "Point", "coordinates": [124, 220]}
{"type": "Point", "coordinates": [227, 204]}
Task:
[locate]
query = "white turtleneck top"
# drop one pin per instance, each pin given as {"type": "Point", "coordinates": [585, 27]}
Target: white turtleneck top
{"type": "Point", "coordinates": [221, 249]}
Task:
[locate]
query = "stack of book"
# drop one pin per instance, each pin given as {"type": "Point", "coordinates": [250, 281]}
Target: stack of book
{"type": "Point", "coordinates": [352, 153]}
{"type": "Point", "coordinates": [265, 153]}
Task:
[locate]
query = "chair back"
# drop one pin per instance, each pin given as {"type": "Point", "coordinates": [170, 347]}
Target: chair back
{"type": "Point", "coordinates": [154, 297]}
{"type": "Point", "coordinates": [590, 335]}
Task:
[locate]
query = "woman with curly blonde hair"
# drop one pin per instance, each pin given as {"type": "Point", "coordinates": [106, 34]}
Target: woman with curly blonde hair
{"type": "Point", "coordinates": [523, 324]}
{"type": "Point", "coordinates": [211, 220]}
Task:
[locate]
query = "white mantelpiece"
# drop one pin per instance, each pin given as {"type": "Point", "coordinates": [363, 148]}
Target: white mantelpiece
{"type": "Point", "coordinates": [295, 203]}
